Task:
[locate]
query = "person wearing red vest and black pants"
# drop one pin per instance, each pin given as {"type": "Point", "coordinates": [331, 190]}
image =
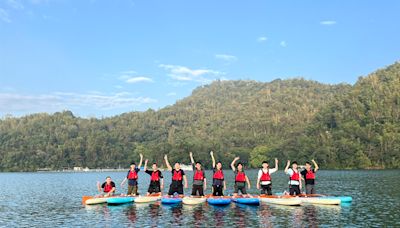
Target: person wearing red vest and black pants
{"type": "Point", "coordinates": [219, 184]}
{"type": "Point", "coordinates": [294, 178]}
{"type": "Point", "coordinates": [240, 178]}
{"type": "Point", "coordinates": [178, 175]}
{"type": "Point", "coordinates": [199, 178]}
{"type": "Point", "coordinates": [264, 177]}
{"type": "Point", "coordinates": [132, 177]}
{"type": "Point", "coordinates": [156, 179]}
{"type": "Point", "coordinates": [309, 177]}
{"type": "Point", "coordinates": [108, 187]}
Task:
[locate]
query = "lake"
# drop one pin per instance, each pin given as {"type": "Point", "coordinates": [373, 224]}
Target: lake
{"type": "Point", "coordinates": [54, 200]}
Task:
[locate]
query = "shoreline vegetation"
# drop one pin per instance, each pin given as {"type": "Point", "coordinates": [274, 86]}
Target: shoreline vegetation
{"type": "Point", "coordinates": [340, 126]}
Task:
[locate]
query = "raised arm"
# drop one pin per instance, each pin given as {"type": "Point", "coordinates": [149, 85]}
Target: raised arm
{"type": "Point", "coordinates": [212, 158]}
{"type": "Point", "coordinates": [167, 163]}
{"type": "Point", "coordinates": [191, 157]}
{"type": "Point", "coordinates": [316, 167]}
{"type": "Point", "coordinates": [233, 164]}
{"type": "Point", "coordinates": [145, 165]}
{"type": "Point", "coordinates": [287, 166]}
{"type": "Point", "coordinates": [276, 164]}
{"type": "Point", "coordinates": [123, 182]}
{"type": "Point", "coordinates": [248, 182]}
{"type": "Point", "coordinates": [141, 160]}
{"type": "Point", "coordinates": [98, 186]}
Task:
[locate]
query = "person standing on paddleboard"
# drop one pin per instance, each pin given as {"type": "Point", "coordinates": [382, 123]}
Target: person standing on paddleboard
{"type": "Point", "coordinates": [132, 178]}
{"type": "Point", "coordinates": [199, 178]}
{"type": "Point", "coordinates": [178, 175]}
{"type": "Point", "coordinates": [240, 178]}
{"type": "Point", "coordinates": [309, 176]}
{"type": "Point", "coordinates": [108, 187]}
{"type": "Point", "coordinates": [264, 177]}
{"type": "Point", "coordinates": [156, 179]}
{"type": "Point", "coordinates": [294, 178]}
{"type": "Point", "coordinates": [219, 184]}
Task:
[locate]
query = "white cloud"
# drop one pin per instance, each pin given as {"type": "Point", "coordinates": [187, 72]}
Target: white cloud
{"type": "Point", "coordinates": [14, 102]}
{"type": "Point", "coordinates": [327, 22]}
{"type": "Point", "coordinates": [138, 79]}
{"type": "Point", "coordinates": [4, 16]}
{"type": "Point", "coordinates": [262, 39]}
{"type": "Point", "coordinates": [171, 94]}
{"type": "Point", "coordinates": [182, 73]}
{"type": "Point", "coordinates": [283, 43]}
{"type": "Point", "coordinates": [225, 57]}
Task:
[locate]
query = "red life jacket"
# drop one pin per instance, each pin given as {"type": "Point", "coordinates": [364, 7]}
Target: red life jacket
{"type": "Point", "coordinates": [198, 175]}
{"type": "Point", "coordinates": [240, 177]}
{"type": "Point", "coordinates": [155, 176]}
{"type": "Point", "coordinates": [219, 175]}
{"type": "Point", "coordinates": [107, 188]}
{"type": "Point", "coordinates": [310, 175]}
{"type": "Point", "coordinates": [177, 175]}
{"type": "Point", "coordinates": [295, 176]}
{"type": "Point", "coordinates": [132, 175]}
{"type": "Point", "coordinates": [265, 176]}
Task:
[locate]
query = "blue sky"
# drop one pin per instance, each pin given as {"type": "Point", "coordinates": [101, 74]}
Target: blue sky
{"type": "Point", "coordinates": [103, 58]}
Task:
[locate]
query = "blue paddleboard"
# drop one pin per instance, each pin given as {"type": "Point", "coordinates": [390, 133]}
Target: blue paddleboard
{"type": "Point", "coordinates": [170, 200]}
{"type": "Point", "coordinates": [219, 201]}
{"type": "Point", "coordinates": [120, 200]}
{"type": "Point", "coordinates": [247, 201]}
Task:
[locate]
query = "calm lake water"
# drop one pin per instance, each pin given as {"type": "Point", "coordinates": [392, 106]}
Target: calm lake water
{"type": "Point", "coordinates": [54, 200]}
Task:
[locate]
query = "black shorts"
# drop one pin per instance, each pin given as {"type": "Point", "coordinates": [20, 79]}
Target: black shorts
{"type": "Point", "coordinates": [266, 188]}
{"type": "Point", "coordinates": [154, 187]}
{"type": "Point", "coordinates": [218, 190]}
{"type": "Point", "coordinates": [175, 187]}
{"type": "Point", "coordinates": [197, 189]}
{"type": "Point", "coordinates": [240, 186]}
{"type": "Point", "coordinates": [294, 189]}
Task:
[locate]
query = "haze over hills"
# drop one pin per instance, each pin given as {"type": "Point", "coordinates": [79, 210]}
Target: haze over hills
{"type": "Point", "coordinates": [341, 126]}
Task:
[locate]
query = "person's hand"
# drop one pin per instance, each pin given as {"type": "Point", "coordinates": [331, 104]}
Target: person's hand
{"type": "Point", "coordinates": [237, 158]}
{"type": "Point", "coordinates": [211, 153]}
{"type": "Point", "coordinates": [162, 186]}
{"type": "Point", "coordinates": [141, 155]}
{"type": "Point", "coordinates": [258, 186]}
{"type": "Point", "coordinates": [205, 187]}
{"type": "Point", "coordinates": [165, 156]}
{"type": "Point", "coordinates": [147, 160]}
{"type": "Point", "coordinates": [122, 184]}
{"type": "Point", "coordinates": [248, 187]}
{"type": "Point", "coordinates": [276, 160]}
{"type": "Point", "coordinates": [288, 161]}
{"type": "Point", "coordinates": [186, 185]}
{"type": "Point", "coordinates": [224, 187]}
{"type": "Point", "coordinates": [190, 153]}
{"type": "Point", "coordinates": [312, 160]}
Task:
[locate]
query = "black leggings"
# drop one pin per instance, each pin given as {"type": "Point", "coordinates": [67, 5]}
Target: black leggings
{"type": "Point", "coordinates": [218, 190]}
{"type": "Point", "coordinates": [197, 188]}
{"type": "Point", "coordinates": [266, 188]}
{"type": "Point", "coordinates": [294, 189]}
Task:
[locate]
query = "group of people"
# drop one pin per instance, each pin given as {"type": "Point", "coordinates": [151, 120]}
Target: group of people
{"type": "Point", "coordinates": [179, 179]}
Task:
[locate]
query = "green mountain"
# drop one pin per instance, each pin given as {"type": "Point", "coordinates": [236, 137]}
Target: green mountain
{"type": "Point", "coordinates": [341, 126]}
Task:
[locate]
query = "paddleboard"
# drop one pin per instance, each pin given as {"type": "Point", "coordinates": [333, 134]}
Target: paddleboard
{"type": "Point", "coordinates": [247, 200]}
{"type": "Point", "coordinates": [193, 200]}
{"type": "Point", "coordinates": [218, 201]}
{"type": "Point", "coordinates": [320, 200]}
{"type": "Point", "coordinates": [343, 199]}
{"type": "Point", "coordinates": [286, 201]}
{"type": "Point", "coordinates": [120, 200]}
{"type": "Point", "coordinates": [147, 199]}
{"type": "Point", "coordinates": [98, 200]}
{"type": "Point", "coordinates": [171, 200]}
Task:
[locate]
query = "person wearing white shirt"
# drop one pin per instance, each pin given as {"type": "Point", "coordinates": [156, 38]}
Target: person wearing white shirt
{"type": "Point", "coordinates": [294, 180]}
{"type": "Point", "coordinates": [264, 177]}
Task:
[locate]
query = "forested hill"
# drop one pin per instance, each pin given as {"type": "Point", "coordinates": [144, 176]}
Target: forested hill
{"type": "Point", "coordinates": [341, 126]}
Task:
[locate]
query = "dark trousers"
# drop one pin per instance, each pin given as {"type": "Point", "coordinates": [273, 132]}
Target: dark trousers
{"type": "Point", "coordinates": [218, 190]}
{"type": "Point", "coordinates": [266, 188]}
{"type": "Point", "coordinates": [294, 189]}
{"type": "Point", "coordinates": [197, 189]}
